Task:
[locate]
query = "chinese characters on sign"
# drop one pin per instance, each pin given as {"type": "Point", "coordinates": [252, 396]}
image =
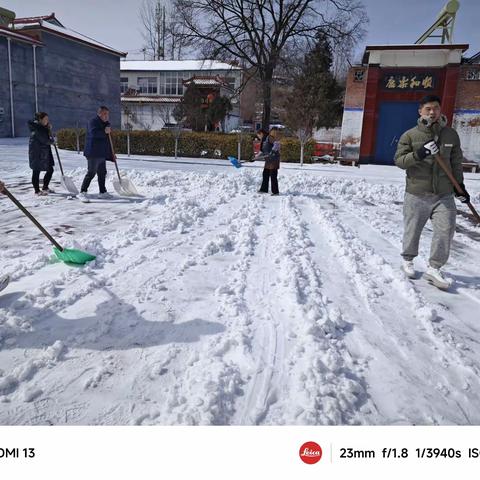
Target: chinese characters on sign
{"type": "Point", "coordinates": [409, 81]}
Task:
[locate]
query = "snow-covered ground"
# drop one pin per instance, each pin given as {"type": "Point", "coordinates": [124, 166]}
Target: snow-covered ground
{"type": "Point", "coordinates": [211, 304]}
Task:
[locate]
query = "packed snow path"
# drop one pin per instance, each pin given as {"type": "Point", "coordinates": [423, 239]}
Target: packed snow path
{"type": "Point", "coordinates": [211, 304]}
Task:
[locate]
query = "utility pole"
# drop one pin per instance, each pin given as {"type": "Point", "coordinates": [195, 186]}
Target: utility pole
{"type": "Point", "coordinates": [163, 33]}
{"type": "Point", "coordinates": [160, 27]}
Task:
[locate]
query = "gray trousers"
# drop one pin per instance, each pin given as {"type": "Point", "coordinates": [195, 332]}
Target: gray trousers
{"type": "Point", "coordinates": [96, 166]}
{"type": "Point", "coordinates": [441, 210]}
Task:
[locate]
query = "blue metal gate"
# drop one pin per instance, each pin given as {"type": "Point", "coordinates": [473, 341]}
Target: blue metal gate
{"type": "Point", "coordinates": [394, 119]}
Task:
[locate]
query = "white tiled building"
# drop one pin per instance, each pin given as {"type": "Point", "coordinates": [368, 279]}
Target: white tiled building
{"type": "Point", "coordinates": [151, 89]}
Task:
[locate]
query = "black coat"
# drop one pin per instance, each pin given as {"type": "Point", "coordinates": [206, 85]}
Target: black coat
{"type": "Point", "coordinates": [269, 149]}
{"type": "Point", "coordinates": [39, 152]}
{"type": "Point", "coordinates": [97, 144]}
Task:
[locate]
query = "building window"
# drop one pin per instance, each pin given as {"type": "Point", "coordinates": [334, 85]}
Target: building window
{"type": "Point", "coordinates": [161, 78]}
{"type": "Point", "coordinates": [123, 84]}
{"type": "Point", "coordinates": [358, 75]}
{"type": "Point", "coordinates": [147, 85]}
{"type": "Point", "coordinates": [472, 75]}
{"type": "Point", "coordinates": [171, 80]}
{"type": "Point", "coordinates": [180, 85]}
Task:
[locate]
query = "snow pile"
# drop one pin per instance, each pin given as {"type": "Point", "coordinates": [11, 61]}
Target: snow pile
{"type": "Point", "coordinates": [210, 304]}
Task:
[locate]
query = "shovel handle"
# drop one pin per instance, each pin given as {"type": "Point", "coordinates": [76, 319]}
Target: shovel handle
{"type": "Point", "coordinates": [58, 158]}
{"type": "Point", "coordinates": [31, 217]}
{"type": "Point", "coordinates": [115, 162]}
{"type": "Point", "coordinates": [457, 186]}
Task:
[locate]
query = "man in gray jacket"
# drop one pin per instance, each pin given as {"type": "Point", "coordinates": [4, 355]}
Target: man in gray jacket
{"type": "Point", "coordinates": [429, 191]}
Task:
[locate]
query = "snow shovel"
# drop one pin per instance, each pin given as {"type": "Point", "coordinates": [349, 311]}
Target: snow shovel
{"type": "Point", "coordinates": [234, 162]}
{"type": "Point", "coordinates": [123, 186]}
{"type": "Point", "coordinates": [67, 182]}
{"type": "Point", "coordinates": [67, 255]}
{"type": "Point", "coordinates": [458, 188]}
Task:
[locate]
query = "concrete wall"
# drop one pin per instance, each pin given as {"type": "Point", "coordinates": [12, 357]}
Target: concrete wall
{"type": "Point", "coordinates": [353, 114]}
{"type": "Point", "coordinates": [147, 116]}
{"type": "Point", "coordinates": [351, 133]}
{"type": "Point", "coordinates": [415, 58]}
{"type": "Point", "coordinates": [466, 119]}
{"type": "Point", "coordinates": [73, 80]}
{"type": "Point", "coordinates": [330, 135]}
{"type": "Point", "coordinates": [23, 88]}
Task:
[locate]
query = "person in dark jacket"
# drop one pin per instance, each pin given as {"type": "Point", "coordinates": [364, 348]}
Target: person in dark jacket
{"type": "Point", "coordinates": [270, 151]}
{"type": "Point", "coordinates": [97, 151]}
{"type": "Point", "coordinates": [40, 153]}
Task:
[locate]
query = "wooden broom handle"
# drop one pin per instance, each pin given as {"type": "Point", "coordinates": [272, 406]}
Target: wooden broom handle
{"type": "Point", "coordinates": [457, 186]}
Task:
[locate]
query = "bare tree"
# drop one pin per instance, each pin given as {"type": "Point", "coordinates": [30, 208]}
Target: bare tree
{"type": "Point", "coordinates": [255, 32]}
{"type": "Point", "coordinates": [162, 31]}
{"type": "Point", "coordinates": [153, 18]}
{"type": "Point", "coordinates": [165, 113]}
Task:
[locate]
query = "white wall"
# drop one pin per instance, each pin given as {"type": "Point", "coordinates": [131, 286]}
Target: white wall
{"type": "Point", "coordinates": [147, 116]}
{"type": "Point", "coordinates": [330, 135]}
{"type": "Point", "coordinates": [467, 124]}
{"type": "Point", "coordinates": [351, 133]}
{"type": "Point", "coordinates": [415, 58]}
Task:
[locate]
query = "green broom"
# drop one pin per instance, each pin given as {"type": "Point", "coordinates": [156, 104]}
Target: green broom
{"type": "Point", "coordinates": [67, 255]}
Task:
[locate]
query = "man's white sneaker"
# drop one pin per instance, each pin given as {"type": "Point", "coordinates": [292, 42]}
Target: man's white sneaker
{"type": "Point", "coordinates": [105, 195]}
{"type": "Point", "coordinates": [433, 275]}
{"type": "Point", "coordinates": [407, 267]}
{"type": "Point", "coordinates": [83, 197]}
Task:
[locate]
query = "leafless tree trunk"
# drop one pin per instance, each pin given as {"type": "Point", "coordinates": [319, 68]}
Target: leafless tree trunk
{"type": "Point", "coordinates": [151, 16]}
{"type": "Point", "coordinates": [255, 32]}
{"type": "Point", "coordinates": [162, 31]}
{"type": "Point", "coordinates": [304, 135]}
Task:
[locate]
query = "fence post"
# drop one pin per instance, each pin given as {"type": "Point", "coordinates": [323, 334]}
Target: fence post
{"type": "Point", "coordinates": [77, 133]}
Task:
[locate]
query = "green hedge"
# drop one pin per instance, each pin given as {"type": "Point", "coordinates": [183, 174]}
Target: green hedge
{"type": "Point", "coordinates": [191, 144]}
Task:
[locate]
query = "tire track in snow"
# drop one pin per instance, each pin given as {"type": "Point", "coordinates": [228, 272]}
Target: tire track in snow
{"type": "Point", "coordinates": [267, 333]}
{"type": "Point", "coordinates": [366, 266]}
{"type": "Point", "coordinates": [321, 383]}
{"type": "Point", "coordinates": [448, 330]}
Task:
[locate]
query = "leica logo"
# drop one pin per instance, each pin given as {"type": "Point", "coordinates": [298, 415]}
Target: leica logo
{"type": "Point", "coordinates": [310, 452]}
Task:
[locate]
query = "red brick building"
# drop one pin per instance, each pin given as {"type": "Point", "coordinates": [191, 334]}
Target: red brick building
{"type": "Point", "coordinates": [382, 96]}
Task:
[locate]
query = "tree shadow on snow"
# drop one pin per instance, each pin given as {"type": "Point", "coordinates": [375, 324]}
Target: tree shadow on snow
{"type": "Point", "coordinates": [115, 325]}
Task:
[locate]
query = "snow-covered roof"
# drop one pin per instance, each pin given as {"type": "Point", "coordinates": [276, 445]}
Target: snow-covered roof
{"type": "Point", "coordinates": [145, 99]}
{"type": "Point", "coordinates": [204, 81]}
{"type": "Point", "coordinates": [48, 26]}
{"type": "Point", "coordinates": [173, 65]}
{"type": "Point", "coordinates": [419, 46]}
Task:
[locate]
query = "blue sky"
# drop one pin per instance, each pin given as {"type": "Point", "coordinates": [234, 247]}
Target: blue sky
{"type": "Point", "coordinates": [115, 22]}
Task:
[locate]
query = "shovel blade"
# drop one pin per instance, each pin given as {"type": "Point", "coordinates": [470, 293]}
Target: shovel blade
{"type": "Point", "coordinates": [68, 185]}
{"type": "Point", "coordinates": [235, 162]}
{"type": "Point", "coordinates": [71, 255]}
{"type": "Point", "coordinates": [125, 187]}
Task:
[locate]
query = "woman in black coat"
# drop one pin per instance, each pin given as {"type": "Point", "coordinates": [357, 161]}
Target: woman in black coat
{"type": "Point", "coordinates": [40, 153]}
{"type": "Point", "coordinates": [270, 152]}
